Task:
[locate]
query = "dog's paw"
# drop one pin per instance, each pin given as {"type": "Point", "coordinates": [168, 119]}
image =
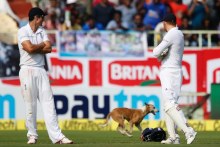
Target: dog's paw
{"type": "Point", "coordinates": [128, 133]}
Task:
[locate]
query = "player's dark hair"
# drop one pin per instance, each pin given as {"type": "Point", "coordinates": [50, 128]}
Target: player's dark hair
{"type": "Point", "coordinates": [172, 23]}
{"type": "Point", "coordinates": [32, 17]}
{"type": "Point", "coordinates": [170, 18]}
{"type": "Point", "coordinates": [35, 12]}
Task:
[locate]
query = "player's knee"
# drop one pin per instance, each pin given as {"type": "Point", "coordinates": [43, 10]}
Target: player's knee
{"type": "Point", "coordinates": [168, 105]}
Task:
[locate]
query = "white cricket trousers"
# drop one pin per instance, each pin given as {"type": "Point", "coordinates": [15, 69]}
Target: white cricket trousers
{"type": "Point", "coordinates": [171, 81]}
{"type": "Point", "coordinates": [35, 85]}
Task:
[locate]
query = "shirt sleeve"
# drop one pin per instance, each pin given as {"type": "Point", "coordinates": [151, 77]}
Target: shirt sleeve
{"type": "Point", "coordinates": [22, 36]}
{"type": "Point", "coordinates": [163, 46]}
{"type": "Point", "coordinates": [45, 36]}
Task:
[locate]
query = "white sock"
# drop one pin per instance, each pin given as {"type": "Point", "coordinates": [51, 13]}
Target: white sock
{"type": "Point", "coordinates": [170, 126]}
{"type": "Point", "coordinates": [178, 119]}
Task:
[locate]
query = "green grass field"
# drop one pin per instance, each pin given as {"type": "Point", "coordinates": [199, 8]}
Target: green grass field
{"type": "Point", "coordinates": [102, 139]}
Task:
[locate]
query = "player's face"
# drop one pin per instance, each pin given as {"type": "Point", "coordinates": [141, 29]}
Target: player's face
{"type": "Point", "coordinates": [39, 20]}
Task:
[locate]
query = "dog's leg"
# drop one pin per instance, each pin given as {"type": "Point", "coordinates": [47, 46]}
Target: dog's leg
{"type": "Point", "coordinates": [131, 127]}
{"type": "Point", "coordinates": [120, 129]}
{"type": "Point", "coordinates": [139, 127]}
{"type": "Point", "coordinates": [123, 131]}
{"type": "Point", "coordinates": [128, 134]}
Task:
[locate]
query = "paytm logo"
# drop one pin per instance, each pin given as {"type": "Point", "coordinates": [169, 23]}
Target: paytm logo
{"type": "Point", "coordinates": [96, 106]}
{"type": "Point", "coordinates": [11, 106]}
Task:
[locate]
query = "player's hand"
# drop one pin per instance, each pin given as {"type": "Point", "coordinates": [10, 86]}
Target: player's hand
{"type": "Point", "coordinates": [47, 48]}
{"type": "Point", "coordinates": [164, 53]}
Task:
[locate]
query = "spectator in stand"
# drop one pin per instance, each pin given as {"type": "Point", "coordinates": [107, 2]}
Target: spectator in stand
{"type": "Point", "coordinates": [197, 11]}
{"type": "Point", "coordinates": [128, 10]}
{"type": "Point", "coordinates": [208, 25]}
{"type": "Point", "coordinates": [110, 2]}
{"type": "Point", "coordinates": [51, 23]}
{"type": "Point", "coordinates": [116, 24]}
{"type": "Point", "coordinates": [68, 12]}
{"type": "Point", "coordinates": [138, 24]}
{"type": "Point", "coordinates": [72, 10]}
{"type": "Point", "coordinates": [154, 13]}
{"type": "Point", "coordinates": [103, 12]}
{"type": "Point", "coordinates": [194, 40]}
{"type": "Point", "coordinates": [185, 23]}
{"type": "Point", "coordinates": [52, 19]}
{"type": "Point", "coordinates": [189, 39]}
{"type": "Point", "coordinates": [54, 12]}
{"type": "Point", "coordinates": [139, 4]}
{"type": "Point", "coordinates": [76, 23]}
{"type": "Point", "coordinates": [142, 11]}
{"type": "Point", "coordinates": [216, 9]}
{"type": "Point", "coordinates": [186, 26]}
{"type": "Point", "coordinates": [179, 9]}
{"type": "Point", "coordinates": [72, 16]}
{"type": "Point", "coordinates": [90, 24]}
{"type": "Point", "coordinates": [53, 9]}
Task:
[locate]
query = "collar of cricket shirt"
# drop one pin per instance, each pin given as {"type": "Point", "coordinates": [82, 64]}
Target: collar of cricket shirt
{"type": "Point", "coordinates": [39, 29]}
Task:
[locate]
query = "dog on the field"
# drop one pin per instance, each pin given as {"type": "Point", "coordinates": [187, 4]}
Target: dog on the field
{"type": "Point", "coordinates": [133, 116]}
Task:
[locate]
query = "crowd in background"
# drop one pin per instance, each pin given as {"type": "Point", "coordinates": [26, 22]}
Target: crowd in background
{"type": "Point", "coordinates": [139, 15]}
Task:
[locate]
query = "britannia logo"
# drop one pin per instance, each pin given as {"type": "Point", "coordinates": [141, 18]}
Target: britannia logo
{"type": "Point", "coordinates": [142, 73]}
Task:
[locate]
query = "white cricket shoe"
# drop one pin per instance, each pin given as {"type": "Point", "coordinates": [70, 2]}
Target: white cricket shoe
{"type": "Point", "coordinates": [172, 141]}
{"type": "Point", "coordinates": [32, 140]}
{"type": "Point", "coordinates": [177, 140]}
{"type": "Point", "coordinates": [167, 141]}
{"type": "Point", "coordinates": [64, 141]}
{"type": "Point", "coordinates": [190, 136]}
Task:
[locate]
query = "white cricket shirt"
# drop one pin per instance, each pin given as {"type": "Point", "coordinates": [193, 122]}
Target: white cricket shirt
{"type": "Point", "coordinates": [26, 33]}
{"type": "Point", "coordinates": [174, 42]}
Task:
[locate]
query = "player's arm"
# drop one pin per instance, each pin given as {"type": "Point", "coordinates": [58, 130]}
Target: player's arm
{"type": "Point", "coordinates": [162, 49]}
{"type": "Point", "coordinates": [47, 48]}
{"type": "Point", "coordinates": [32, 48]}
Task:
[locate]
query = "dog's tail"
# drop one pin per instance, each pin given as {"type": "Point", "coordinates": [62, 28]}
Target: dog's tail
{"type": "Point", "coordinates": [106, 121]}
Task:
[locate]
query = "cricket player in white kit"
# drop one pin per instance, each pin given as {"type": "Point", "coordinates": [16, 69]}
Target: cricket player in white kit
{"type": "Point", "coordinates": [33, 44]}
{"type": "Point", "coordinates": [170, 53]}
